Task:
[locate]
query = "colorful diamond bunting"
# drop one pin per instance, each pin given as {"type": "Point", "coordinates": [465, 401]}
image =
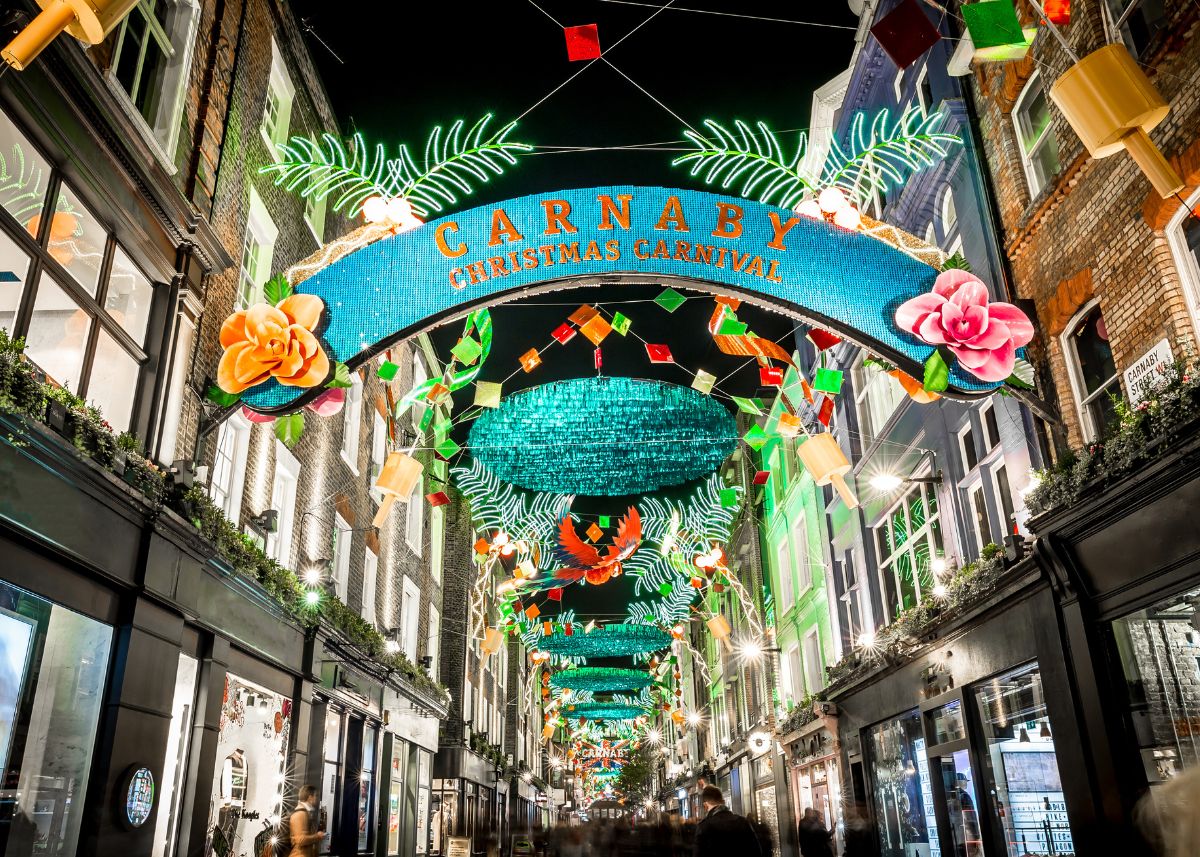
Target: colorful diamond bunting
{"type": "Point", "coordinates": [670, 300]}
{"type": "Point", "coordinates": [659, 353]}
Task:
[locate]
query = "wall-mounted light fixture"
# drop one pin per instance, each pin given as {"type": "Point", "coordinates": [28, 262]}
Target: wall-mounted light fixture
{"type": "Point", "coordinates": [87, 20]}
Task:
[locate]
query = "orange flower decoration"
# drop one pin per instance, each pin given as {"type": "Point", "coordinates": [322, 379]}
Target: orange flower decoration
{"type": "Point", "coordinates": [277, 342]}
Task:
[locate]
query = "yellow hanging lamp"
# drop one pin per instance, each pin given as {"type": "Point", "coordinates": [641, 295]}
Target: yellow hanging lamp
{"type": "Point", "coordinates": [87, 20]}
{"type": "Point", "coordinates": [827, 464]}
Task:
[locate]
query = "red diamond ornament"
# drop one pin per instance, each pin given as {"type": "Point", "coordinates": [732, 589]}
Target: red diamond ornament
{"type": "Point", "coordinates": [583, 42]}
{"type": "Point", "coordinates": [659, 353]}
{"type": "Point", "coordinates": [906, 33]}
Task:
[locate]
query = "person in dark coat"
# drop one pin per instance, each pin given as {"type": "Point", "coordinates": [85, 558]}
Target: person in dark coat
{"type": "Point", "coordinates": [722, 833]}
{"type": "Point", "coordinates": [815, 839]}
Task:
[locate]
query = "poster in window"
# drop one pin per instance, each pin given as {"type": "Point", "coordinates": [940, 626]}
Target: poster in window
{"type": "Point", "coordinates": [16, 643]}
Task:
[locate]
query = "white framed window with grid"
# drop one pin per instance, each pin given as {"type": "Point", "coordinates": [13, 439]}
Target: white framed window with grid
{"type": "Point", "coordinates": [968, 452]}
{"type": "Point", "coordinates": [228, 474]}
{"type": "Point", "coordinates": [283, 500]}
{"type": "Point", "coordinates": [907, 540]}
{"type": "Point", "coordinates": [814, 665]}
{"type": "Point", "coordinates": [277, 107]}
{"type": "Point", "coordinates": [343, 536]}
{"type": "Point", "coordinates": [433, 640]}
{"type": "Point", "coordinates": [1183, 237]}
{"type": "Point", "coordinates": [370, 587]}
{"type": "Point", "coordinates": [258, 252]}
{"type": "Point", "coordinates": [1091, 369]}
{"type": "Point", "coordinates": [414, 519]}
{"type": "Point", "coordinates": [352, 422]}
{"type": "Point", "coordinates": [877, 395]}
{"type": "Point", "coordinates": [783, 569]}
{"type": "Point", "coordinates": [800, 549]}
{"type": "Point", "coordinates": [410, 619]}
{"type": "Point", "coordinates": [152, 55]}
{"type": "Point", "coordinates": [1035, 135]}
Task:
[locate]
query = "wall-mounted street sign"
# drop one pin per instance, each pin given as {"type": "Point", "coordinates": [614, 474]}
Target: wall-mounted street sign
{"type": "Point", "coordinates": [1148, 371]}
{"type": "Point", "coordinates": [847, 281]}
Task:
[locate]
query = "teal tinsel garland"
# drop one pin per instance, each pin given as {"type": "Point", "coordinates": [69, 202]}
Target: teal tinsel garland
{"type": "Point", "coordinates": [608, 641]}
{"type": "Point", "coordinates": [600, 679]}
{"type": "Point", "coordinates": [603, 711]}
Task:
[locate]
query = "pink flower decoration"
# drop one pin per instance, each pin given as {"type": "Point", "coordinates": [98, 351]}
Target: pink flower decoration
{"type": "Point", "coordinates": [983, 336]}
{"type": "Point", "coordinates": [328, 403]}
{"type": "Point", "coordinates": [255, 416]}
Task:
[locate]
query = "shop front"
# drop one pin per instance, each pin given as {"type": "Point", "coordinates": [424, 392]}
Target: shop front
{"type": "Point", "coordinates": [969, 762]}
{"type": "Point", "coordinates": [766, 806]}
{"type": "Point", "coordinates": [814, 771]}
{"type": "Point", "coordinates": [409, 742]}
{"type": "Point", "coordinates": [465, 801]}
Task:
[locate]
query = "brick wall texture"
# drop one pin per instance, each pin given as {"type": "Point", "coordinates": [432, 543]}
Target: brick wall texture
{"type": "Point", "coordinates": [1086, 233]}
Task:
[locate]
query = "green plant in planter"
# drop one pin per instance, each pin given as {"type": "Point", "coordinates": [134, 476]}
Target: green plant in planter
{"type": "Point", "coordinates": [21, 392]}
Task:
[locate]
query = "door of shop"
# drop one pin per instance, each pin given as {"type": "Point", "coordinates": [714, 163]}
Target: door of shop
{"type": "Point", "coordinates": [953, 782]}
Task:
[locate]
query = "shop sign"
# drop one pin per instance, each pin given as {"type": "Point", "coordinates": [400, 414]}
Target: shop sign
{"type": "Point", "coordinates": [1148, 371]}
{"type": "Point", "coordinates": [139, 796]}
{"type": "Point", "coordinates": [458, 846]}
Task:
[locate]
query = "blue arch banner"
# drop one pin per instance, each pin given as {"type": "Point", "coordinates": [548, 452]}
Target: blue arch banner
{"type": "Point", "coordinates": [847, 282]}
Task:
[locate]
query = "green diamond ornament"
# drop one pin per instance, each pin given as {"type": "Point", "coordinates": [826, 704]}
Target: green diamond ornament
{"type": "Point", "coordinates": [620, 323]}
{"type": "Point", "coordinates": [387, 370]}
{"type": "Point", "coordinates": [487, 394]}
{"type": "Point", "coordinates": [665, 590]}
{"type": "Point", "coordinates": [605, 522]}
{"type": "Point", "coordinates": [447, 449]}
{"type": "Point", "coordinates": [467, 350]}
{"type": "Point", "coordinates": [828, 381]}
{"type": "Point", "coordinates": [753, 407]}
{"type": "Point", "coordinates": [993, 23]}
{"type": "Point", "coordinates": [756, 438]}
{"type": "Point", "coordinates": [731, 327]}
{"type": "Point", "coordinates": [670, 300]}
{"type": "Point", "coordinates": [729, 498]}
{"type": "Point", "coordinates": [703, 382]}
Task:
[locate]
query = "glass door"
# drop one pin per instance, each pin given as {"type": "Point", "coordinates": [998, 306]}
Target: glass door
{"type": "Point", "coordinates": [960, 804]}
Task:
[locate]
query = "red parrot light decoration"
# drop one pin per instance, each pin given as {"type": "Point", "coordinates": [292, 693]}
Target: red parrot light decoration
{"type": "Point", "coordinates": [584, 561]}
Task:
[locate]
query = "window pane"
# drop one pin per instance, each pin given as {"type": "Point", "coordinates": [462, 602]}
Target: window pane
{"type": "Point", "coordinates": [129, 295]}
{"type": "Point", "coordinates": [981, 518]}
{"type": "Point", "coordinates": [53, 673]}
{"type": "Point", "coordinates": [58, 333]}
{"type": "Point", "coordinates": [902, 796]}
{"type": "Point", "coordinates": [77, 239]}
{"type": "Point", "coordinates": [970, 456]}
{"type": "Point", "coordinates": [991, 429]}
{"type": "Point", "coordinates": [908, 586]}
{"type": "Point", "coordinates": [1093, 352]}
{"type": "Point", "coordinates": [1004, 494]}
{"type": "Point", "coordinates": [113, 382]}
{"type": "Point", "coordinates": [1020, 766]}
{"type": "Point", "coordinates": [175, 760]}
{"type": "Point", "coordinates": [13, 263]}
{"type": "Point", "coordinates": [24, 175]}
{"type": "Point", "coordinates": [1034, 117]}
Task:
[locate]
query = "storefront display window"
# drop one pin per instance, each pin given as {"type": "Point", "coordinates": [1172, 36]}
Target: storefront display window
{"type": "Point", "coordinates": [53, 670]}
{"type": "Point", "coordinates": [1020, 766]}
{"type": "Point", "coordinates": [903, 808]}
{"type": "Point", "coordinates": [1159, 650]}
{"type": "Point", "coordinates": [445, 809]}
{"type": "Point", "coordinates": [250, 791]}
{"type": "Point", "coordinates": [175, 760]}
{"type": "Point", "coordinates": [424, 763]}
{"type": "Point", "coordinates": [366, 788]}
{"type": "Point", "coordinates": [331, 774]}
{"type": "Point", "coordinates": [396, 793]}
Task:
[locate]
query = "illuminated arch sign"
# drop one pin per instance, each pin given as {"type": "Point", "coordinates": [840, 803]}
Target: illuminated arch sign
{"type": "Point", "coordinates": [848, 282]}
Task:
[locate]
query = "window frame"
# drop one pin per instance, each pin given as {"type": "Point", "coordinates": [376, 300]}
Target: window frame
{"type": "Point", "coordinates": [163, 133]}
{"type": "Point", "coordinates": [280, 89]}
{"type": "Point", "coordinates": [922, 78]}
{"type": "Point", "coordinates": [989, 442]}
{"type": "Point", "coordinates": [887, 564]}
{"type": "Point", "coordinates": [343, 542]}
{"type": "Point", "coordinates": [787, 585]}
{"type": "Point", "coordinates": [968, 430]}
{"type": "Point", "coordinates": [260, 228]}
{"type": "Point", "coordinates": [948, 213]}
{"type": "Point", "coordinates": [370, 586]}
{"type": "Point", "coordinates": [279, 543]}
{"type": "Point", "coordinates": [813, 681]}
{"type": "Point", "coordinates": [1029, 90]}
{"type": "Point", "coordinates": [863, 383]}
{"type": "Point", "coordinates": [352, 423]}
{"type": "Point", "coordinates": [1083, 400]}
{"type": "Point", "coordinates": [411, 635]}
{"type": "Point", "coordinates": [1187, 263]}
{"type": "Point", "coordinates": [415, 512]}
{"type": "Point", "coordinates": [803, 570]}
{"type": "Point", "coordinates": [239, 428]}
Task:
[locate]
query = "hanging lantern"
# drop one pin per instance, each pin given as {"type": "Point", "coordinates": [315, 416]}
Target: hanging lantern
{"type": "Point", "coordinates": [398, 478]}
{"type": "Point", "coordinates": [827, 463]}
{"type": "Point", "coordinates": [547, 731]}
{"type": "Point", "coordinates": [492, 640]}
{"type": "Point", "coordinates": [719, 626]}
{"type": "Point", "coordinates": [1111, 104]}
{"type": "Point", "coordinates": [87, 20]}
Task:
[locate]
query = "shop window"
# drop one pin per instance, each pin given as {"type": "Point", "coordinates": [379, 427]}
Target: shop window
{"type": "Point", "coordinates": [283, 500]}
{"type": "Point", "coordinates": [1005, 499]}
{"type": "Point", "coordinates": [342, 536]}
{"type": "Point", "coordinates": [1093, 373]}
{"type": "Point", "coordinates": [795, 673]}
{"type": "Point", "coordinates": [277, 110]}
{"type": "Point", "coordinates": [902, 794]}
{"type": "Point", "coordinates": [907, 539]}
{"type": "Point", "coordinates": [814, 665]}
{"type": "Point", "coordinates": [1138, 22]}
{"type": "Point", "coordinates": [983, 530]}
{"type": "Point", "coordinates": [228, 476]}
{"type": "Point", "coordinates": [251, 780]}
{"type": "Point", "coordinates": [1158, 653]}
{"type": "Point", "coordinates": [847, 591]}
{"type": "Point", "coordinates": [877, 395]}
{"type": "Point", "coordinates": [53, 673]}
{"type": "Point", "coordinates": [783, 567]}
{"type": "Point", "coordinates": [366, 788]}
{"type": "Point", "coordinates": [24, 180]}
{"type": "Point", "coordinates": [258, 252]}
{"type": "Point", "coordinates": [1035, 135]}
{"type": "Point", "coordinates": [800, 544]}
{"type": "Point", "coordinates": [331, 775]}
{"type": "Point", "coordinates": [414, 519]}
{"type": "Point", "coordinates": [174, 768]}
{"type": "Point", "coordinates": [352, 422]}
{"type": "Point", "coordinates": [1183, 235]}
{"type": "Point", "coordinates": [172, 413]}
{"type": "Point", "coordinates": [379, 450]}
{"type": "Point", "coordinates": [410, 619]}
{"type": "Point", "coordinates": [1020, 766]}
{"type": "Point", "coordinates": [152, 53]}
{"type": "Point", "coordinates": [370, 584]}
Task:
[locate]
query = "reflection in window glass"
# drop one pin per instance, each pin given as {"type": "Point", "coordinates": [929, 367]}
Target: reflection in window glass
{"type": "Point", "coordinates": [366, 788]}
{"type": "Point", "coordinates": [58, 333]}
{"type": "Point", "coordinates": [128, 297]}
{"type": "Point", "coordinates": [24, 176]}
{"type": "Point", "coordinates": [77, 240]}
{"type": "Point", "coordinates": [332, 774]}
{"type": "Point", "coordinates": [113, 381]}
{"type": "Point", "coordinates": [1095, 370]}
{"type": "Point", "coordinates": [1161, 662]}
{"type": "Point", "coordinates": [175, 760]}
{"type": "Point", "coordinates": [908, 539]}
{"type": "Point", "coordinates": [1020, 766]}
{"type": "Point", "coordinates": [14, 265]}
{"type": "Point", "coordinates": [53, 670]}
{"type": "Point", "coordinates": [902, 796]}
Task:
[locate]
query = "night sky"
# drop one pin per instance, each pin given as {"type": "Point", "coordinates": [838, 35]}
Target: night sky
{"type": "Point", "coordinates": [401, 76]}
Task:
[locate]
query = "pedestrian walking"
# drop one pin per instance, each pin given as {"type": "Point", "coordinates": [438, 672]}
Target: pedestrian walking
{"type": "Point", "coordinates": [815, 838]}
{"type": "Point", "coordinates": [722, 832]}
{"type": "Point", "coordinates": [306, 833]}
